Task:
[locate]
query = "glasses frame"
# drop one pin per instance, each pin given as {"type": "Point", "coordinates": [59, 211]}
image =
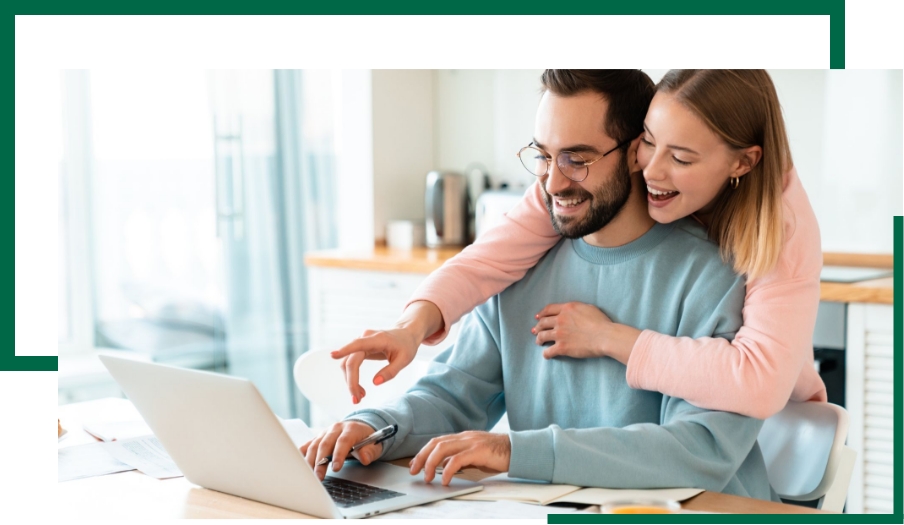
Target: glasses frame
{"type": "Point", "coordinates": [586, 164]}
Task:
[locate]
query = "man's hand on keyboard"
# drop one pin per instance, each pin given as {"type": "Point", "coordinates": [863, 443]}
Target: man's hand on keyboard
{"type": "Point", "coordinates": [337, 442]}
{"type": "Point", "coordinates": [484, 450]}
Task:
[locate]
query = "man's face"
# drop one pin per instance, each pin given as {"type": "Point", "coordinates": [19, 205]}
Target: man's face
{"type": "Point", "coordinates": [575, 123]}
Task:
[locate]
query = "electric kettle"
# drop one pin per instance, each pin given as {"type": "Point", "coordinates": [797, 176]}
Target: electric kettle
{"type": "Point", "coordinates": [447, 209]}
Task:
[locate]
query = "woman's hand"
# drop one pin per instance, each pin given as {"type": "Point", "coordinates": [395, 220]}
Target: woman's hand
{"type": "Point", "coordinates": [581, 330]}
{"type": "Point", "coordinates": [398, 345]}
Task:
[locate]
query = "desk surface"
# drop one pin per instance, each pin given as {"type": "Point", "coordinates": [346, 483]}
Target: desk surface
{"type": "Point", "coordinates": [132, 494]}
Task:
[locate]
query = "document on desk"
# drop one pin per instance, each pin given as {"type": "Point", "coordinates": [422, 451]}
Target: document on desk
{"type": "Point", "coordinates": [116, 430]}
{"type": "Point", "coordinates": [297, 430]}
{"type": "Point", "coordinates": [501, 488]}
{"type": "Point", "coordinates": [146, 454]}
{"type": "Point", "coordinates": [451, 509]}
{"type": "Point", "coordinates": [84, 461]}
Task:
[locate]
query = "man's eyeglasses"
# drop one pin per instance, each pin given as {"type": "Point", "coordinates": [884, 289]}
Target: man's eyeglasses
{"type": "Point", "coordinates": [572, 165]}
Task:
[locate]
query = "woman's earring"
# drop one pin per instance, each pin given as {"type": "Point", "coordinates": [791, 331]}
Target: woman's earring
{"type": "Point", "coordinates": [734, 182]}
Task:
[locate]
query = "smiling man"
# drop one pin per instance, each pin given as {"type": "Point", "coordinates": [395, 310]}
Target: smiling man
{"type": "Point", "coordinates": [577, 421]}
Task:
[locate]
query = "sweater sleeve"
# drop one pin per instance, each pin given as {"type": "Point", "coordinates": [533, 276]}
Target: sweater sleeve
{"type": "Point", "coordinates": [497, 259]}
{"type": "Point", "coordinates": [462, 390]}
{"type": "Point", "coordinates": [770, 359]}
{"type": "Point", "coordinates": [691, 448]}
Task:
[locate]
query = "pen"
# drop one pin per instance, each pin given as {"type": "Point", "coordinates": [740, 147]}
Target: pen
{"type": "Point", "coordinates": [377, 437]}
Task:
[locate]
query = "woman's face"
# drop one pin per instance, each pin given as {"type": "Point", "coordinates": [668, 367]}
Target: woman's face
{"type": "Point", "coordinates": [685, 164]}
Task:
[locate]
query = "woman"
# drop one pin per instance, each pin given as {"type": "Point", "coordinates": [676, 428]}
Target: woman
{"type": "Point", "coordinates": [762, 221]}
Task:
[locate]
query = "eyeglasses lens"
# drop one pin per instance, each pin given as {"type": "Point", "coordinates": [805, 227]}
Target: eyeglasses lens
{"type": "Point", "coordinates": [570, 164]}
{"type": "Point", "coordinates": [534, 161]}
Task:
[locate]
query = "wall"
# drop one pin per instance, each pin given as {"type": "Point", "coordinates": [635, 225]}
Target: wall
{"type": "Point", "coordinates": [845, 129]}
{"type": "Point", "coordinates": [385, 147]}
{"type": "Point", "coordinates": [486, 116]}
{"type": "Point", "coordinates": [354, 159]}
{"type": "Point", "coordinates": [403, 145]}
{"type": "Point", "coordinates": [846, 136]}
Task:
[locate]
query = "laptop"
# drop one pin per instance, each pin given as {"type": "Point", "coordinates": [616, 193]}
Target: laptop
{"type": "Point", "coordinates": [223, 436]}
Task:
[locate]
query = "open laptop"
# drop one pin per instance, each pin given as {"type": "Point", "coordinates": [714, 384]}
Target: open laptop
{"type": "Point", "coordinates": [223, 436]}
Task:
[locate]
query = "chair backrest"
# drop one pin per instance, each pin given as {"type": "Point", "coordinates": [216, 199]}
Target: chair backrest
{"type": "Point", "coordinates": [320, 379]}
{"type": "Point", "coordinates": [803, 446]}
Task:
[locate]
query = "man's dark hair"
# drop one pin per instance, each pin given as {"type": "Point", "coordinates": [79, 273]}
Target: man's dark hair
{"type": "Point", "coordinates": [628, 92]}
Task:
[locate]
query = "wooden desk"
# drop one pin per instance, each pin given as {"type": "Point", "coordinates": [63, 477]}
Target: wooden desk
{"type": "Point", "coordinates": [131, 494]}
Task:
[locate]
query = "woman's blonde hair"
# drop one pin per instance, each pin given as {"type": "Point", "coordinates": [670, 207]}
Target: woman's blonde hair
{"type": "Point", "coordinates": [741, 107]}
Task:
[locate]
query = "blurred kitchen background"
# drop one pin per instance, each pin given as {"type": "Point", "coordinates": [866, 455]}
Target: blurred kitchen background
{"type": "Point", "coordinates": [188, 199]}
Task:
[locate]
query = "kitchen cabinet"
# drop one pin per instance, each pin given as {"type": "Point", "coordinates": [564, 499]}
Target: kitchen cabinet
{"type": "Point", "coordinates": [870, 397]}
{"type": "Point", "coordinates": [344, 302]}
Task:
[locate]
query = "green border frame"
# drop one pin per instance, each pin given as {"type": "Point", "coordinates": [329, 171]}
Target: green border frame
{"type": "Point", "coordinates": [834, 9]}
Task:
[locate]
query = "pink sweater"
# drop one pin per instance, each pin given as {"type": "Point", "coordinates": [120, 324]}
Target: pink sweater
{"type": "Point", "coordinates": [769, 361]}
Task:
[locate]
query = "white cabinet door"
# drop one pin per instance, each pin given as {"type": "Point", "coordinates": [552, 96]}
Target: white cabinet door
{"type": "Point", "coordinates": [870, 384]}
{"type": "Point", "coordinates": [343, 303]}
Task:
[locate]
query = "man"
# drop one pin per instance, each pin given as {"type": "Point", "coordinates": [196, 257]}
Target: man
{"type": "Point", "coordinates": [577, 421]}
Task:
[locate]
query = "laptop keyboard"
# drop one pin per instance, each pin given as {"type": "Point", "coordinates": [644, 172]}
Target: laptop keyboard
{"type": "Point", "coordinates": [350, 494]}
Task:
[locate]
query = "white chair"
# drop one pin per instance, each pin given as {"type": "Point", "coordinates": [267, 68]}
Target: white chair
{"type": "Point", "coordinates": [806, 458]}
{"type": "Point", "coordinates": [320, 379]}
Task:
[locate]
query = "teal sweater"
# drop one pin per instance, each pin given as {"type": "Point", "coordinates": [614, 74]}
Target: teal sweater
{"type": "Point", "coordinates": [577, 421]}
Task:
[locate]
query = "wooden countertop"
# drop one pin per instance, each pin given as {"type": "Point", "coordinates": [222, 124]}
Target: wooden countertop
{"type": "Point", "coordinates": [425, 260]}
{"type": "Point", "coordinates": [879, 291]}
{"type": "Point", "coordinates": [383, 259]}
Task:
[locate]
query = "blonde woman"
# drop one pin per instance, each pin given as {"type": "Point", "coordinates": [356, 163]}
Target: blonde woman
{"type": "Point", "coordinates": [714, 147]}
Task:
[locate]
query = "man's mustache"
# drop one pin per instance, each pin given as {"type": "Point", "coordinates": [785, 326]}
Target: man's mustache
{"type": "Point", "coordinates": [569, 194]}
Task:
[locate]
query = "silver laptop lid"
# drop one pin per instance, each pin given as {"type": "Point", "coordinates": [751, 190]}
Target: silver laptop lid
{"type": "Point", "coordinates": [222, 434]}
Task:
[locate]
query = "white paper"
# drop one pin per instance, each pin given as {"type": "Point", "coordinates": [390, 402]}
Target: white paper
{"type": "Point", "coordinates": [501, 487]}
{"type": "Point", "coordinates": [117, 430]}
{"type": "Point", "coordinates": [83, 461]}
{"type": "Point", "coordinates": [452, 509]}
{"type": "Point", "coordinates": [145, 454]}
{"type": "Point", "coordinates": [595, 496]}
{"type": "Point", "coordinates": [298, 431]}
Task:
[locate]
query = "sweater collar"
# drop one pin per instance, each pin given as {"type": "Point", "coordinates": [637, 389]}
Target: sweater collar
{"type": "Point", "coordinates": [620, 254]}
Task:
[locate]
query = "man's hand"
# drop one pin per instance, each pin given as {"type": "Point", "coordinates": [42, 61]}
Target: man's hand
{"type": "Point", "coordinates": [484, 450]}
{"type": "Point", "coordinates": [398, 345]}
{"type": "Point", "coordinates": [581, 330]}
{"type": "Point", "coordinates": [338, 442]}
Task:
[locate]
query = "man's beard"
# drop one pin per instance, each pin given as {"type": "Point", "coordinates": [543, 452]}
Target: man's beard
{"type": "Point", "coordinates": [605, 204]}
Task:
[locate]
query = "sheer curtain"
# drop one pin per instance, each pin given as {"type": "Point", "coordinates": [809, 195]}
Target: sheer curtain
{"type": "Point", "coordinates": [306, 160]}
{"type": "Point", "coordinates": [201, 192]}
{"type": "Point", "coordinates": [275, 201]}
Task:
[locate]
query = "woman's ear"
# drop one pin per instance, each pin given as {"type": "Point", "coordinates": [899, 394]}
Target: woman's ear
{"type": "Point", "coordinates": [749, 157]}
{"type": "Point", "coordinates": [633, 165]}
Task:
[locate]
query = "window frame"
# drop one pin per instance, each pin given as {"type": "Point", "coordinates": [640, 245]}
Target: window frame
{"type": "Point", "coordinates": [76, 200]}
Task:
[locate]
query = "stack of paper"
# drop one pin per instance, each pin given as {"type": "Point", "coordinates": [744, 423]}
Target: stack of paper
{"type": "Point", "coordinates": [85, 461]}
{"type": "Point", "coordinates": [503, 488]}
{"type": "Point", "coordinates": [449, 509]}
{"type": "Point", "coordinates": [145, 454]}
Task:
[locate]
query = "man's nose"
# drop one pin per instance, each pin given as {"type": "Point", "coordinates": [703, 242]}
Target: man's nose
{"type": "Point", "coordinates": [555, 180]}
